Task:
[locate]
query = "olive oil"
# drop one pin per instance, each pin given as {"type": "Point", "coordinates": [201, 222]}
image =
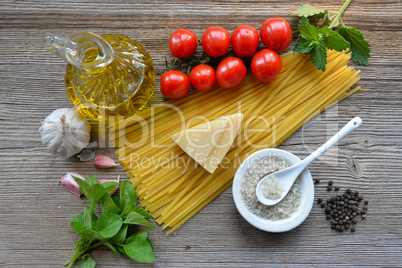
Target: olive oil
{"type": "Point", "coordinates": [120, 88]}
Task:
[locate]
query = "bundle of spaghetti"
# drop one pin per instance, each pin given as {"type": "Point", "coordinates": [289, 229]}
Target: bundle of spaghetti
{"type": "Point", "coordinates": [169, 183]}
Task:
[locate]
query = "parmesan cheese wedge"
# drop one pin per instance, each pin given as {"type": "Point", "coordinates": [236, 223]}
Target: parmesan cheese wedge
{"type": "Point", "coordinates": [208, 143]}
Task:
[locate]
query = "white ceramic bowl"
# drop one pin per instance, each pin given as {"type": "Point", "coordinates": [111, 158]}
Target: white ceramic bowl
{"type": "Point", "coordinates": [307, 194]}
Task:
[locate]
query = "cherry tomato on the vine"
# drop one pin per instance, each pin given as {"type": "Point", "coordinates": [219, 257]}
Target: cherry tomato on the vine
{"type": "Point", "coordinates": [276, 34]}
{"type": "Point", "coordinates": [230, 72]}
{"type": "Point", "coordinates": [174, 84]}
{"type": "Point", "coordinates": [266, 65]}
{"type": "Point", "coordinates": [245, 41]}
{"type": "Point", "coordinates": [183, 43]}
{"type": "Point", "coordinates": [215, 41]}
{"type": "Point", "coordinates": [202, 77]}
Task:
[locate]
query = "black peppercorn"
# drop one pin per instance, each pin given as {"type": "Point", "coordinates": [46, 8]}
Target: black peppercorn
{"type": "Point", "coordinates": [322, 205]}
{"type": "Point", "coordinates": [330, 182]}
{"type": "Point", "coordinates": [316, 181]}
{"type": "Point", "coordinates": [337, 188]}
{"type": "Point", "coordinates": [366, 202]}
{"type": "Point", "coordinates": [360, 196]}
{"type": "Point", "coordinates": [354, 221]}
{"type": "Point", "coordinates": [329, 188]}
{"type": "Point", "coordinates": [352, 229]}
{"type": "Point", "coordinates": [319, 200]}
{"type": "Point", "coordinates": [333, 226]}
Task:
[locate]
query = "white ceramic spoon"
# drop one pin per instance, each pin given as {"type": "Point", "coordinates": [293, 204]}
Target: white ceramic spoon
{"type": "Point", "coordinates": [287, 177]}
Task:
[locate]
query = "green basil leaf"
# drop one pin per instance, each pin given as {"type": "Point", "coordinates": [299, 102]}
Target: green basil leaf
{"type": "Point", "coordinates": [143, 235]}
{"type": "Point", "coordinates": [81, 183]}
{"type": "Point", "coordinates": [78, 222]}
{"type": "Point", "coordinates": [112, 248]}
{"type": "Point", "coordinates": [132, 193]}
{"type": "Point", "coordinates": [128, 207]}
{"type": "Point", "coordinates": [86, 262]}
{"type": "Point", "coordinates": [140, 250]}
{"type": "Point", "coordinates": [109, 224]}
{"type": "Point", "coordinates": [109, 185]}
{"type": "Point", "coordinates": [135, 218]}
{"type": "Point", "coordinates": [120, 237]}
{"type": "Point", "coordinates": [91, 180]}
{"type": "Point", "coordinates": [121, 249]}
{"type": "Point", "coordinates": [94, 193]}
{"type": "Point", "coordinates": [108, 205]}
{"type": "Point", "coordinates": [116, 200]}
{"type": "Point", "coordinates": [91, 235]}
{"type": "Point", "coordinates": [143, 212]}
{"type": "Point", "coordinates": [87, 219]}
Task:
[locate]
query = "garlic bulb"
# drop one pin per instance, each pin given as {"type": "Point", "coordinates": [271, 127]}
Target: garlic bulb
{"type": "Point", "coordinates": [65, 132]}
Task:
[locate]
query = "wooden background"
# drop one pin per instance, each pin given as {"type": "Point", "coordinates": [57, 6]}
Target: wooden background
{"type": "Point", "coordinates": [35, 212]}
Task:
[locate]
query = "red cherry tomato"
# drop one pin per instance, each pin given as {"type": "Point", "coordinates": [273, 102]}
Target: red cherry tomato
{"type": "Point", "coordinates": [215, 41]}
{"type": "Point", "coordinates": [276, 34]}
{"type": "Point", "coordinates": [183, 43]}
{"type": "Point", "coordinates": [245, 41]}
{"type": "Point", "coordinates": [174, 84]}
{"type": "Point", "coordinates": [202, 77]}
{"type": "Point", "coordinates": [266, 65]}
{"type": "Point", "coordinates": [230, 72]}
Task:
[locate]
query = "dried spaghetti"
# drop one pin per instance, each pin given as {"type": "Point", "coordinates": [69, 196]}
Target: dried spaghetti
{"type": "Point", "coordinates": [170, 185]}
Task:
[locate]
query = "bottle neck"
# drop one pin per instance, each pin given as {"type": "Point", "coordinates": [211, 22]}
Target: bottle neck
{"type": "Point", "coordinates": [84, 50]}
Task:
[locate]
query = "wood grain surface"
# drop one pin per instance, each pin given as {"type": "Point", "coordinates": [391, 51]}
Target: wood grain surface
{"type": "Point", "coordinates": [35, 212]}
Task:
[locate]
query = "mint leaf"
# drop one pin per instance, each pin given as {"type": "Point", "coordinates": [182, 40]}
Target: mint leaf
{"type": "Point", "coordinates": [135, 218]}
{"type": "Point", "coordinates": [303, 45]}
{"type": "Point", "coordinates": [308, 30]}
{"type": "Point", "coordinates": [143, 212]}
{"type": "Point", "coordinates": [86, 262]}
{"type": "Point", "coordinates": [140, 250]}
{"type": "Point", "coordinates": [109, 224]}
{"type": "Point", "coordinates": [319, 55]}
{"type": "Point", "coordinates": [333, 40]}
{"type": "Point", "coordinates": [359, 46]}
{"type": "Point", "coordinates": [306, 10]}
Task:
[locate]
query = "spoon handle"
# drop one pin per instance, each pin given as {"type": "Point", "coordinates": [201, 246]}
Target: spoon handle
{"type": "Point", "coordinates": [348, 128]}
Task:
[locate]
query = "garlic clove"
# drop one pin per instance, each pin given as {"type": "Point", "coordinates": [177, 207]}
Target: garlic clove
{"type": "Point", "coordinates": [104, 162]}
{"type": "Point", "coordinates": [113, 190]}
{"type": "Point", "coordinates": [70, 184]}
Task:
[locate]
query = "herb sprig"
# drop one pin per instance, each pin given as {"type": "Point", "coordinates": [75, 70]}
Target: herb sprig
{"type": "Point", "coordinates": [315, 40]}
{"type": "Point", "coordinates": [115, 228]}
